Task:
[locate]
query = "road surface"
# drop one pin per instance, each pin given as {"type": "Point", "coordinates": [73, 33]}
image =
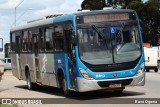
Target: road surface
{"type": "Point", "coordinates": [10, 87]}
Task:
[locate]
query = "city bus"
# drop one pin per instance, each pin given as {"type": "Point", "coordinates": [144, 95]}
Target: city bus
{"type": "Point", "coordinates": [84, 51]}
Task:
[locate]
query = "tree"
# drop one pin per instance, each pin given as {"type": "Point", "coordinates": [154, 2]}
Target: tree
{"type": "Point", "coordinates": [148, 12]}
{"type": "Point", "coordinates": [93, 4]}
{"type": "Point", "coordinates": [120, 3]}
{"type": "Point", "coordinates": [149, 15]}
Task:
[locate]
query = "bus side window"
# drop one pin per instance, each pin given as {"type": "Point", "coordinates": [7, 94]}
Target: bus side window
{"type": "Point", "coordinates": [58, 41]}
{"type": "Point", "coordinates": [68, 32]}
{"type": "Point", "coordinates": [25, 41]}
{"type": "Point", "coordinates": [18, 42]}
{"type": "Point", "coordinates": [13, 42]}
{"type": "Point", "coordinates": [30, 41]}
{"type": "Point", "coordinates": [68, 35]}
{"type": "Point", "coordinates": [58, 38]}
{"type": "Point", "coordinates": [49, 39]}
{"type": "Point", "coordinates": [42, 39]}
{"type": "Point", "coordinates": [35, 35]}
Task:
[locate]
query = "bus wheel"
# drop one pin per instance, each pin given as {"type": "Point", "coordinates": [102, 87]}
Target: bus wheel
{"type": "Point", "coordinates": [155, 69]}
{"type": "Point", "coordinates": [67, 92]}
{"type": "Point", "coordinates": [30, 85]}
{"type": "Point", "coordinates": [147, 70]}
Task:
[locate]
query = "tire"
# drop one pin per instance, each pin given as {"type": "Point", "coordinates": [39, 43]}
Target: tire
{"type": "Point", "coordinates": [155, 69]}
{"type": "Point", "coordinates": [30, 85]}
{"type": "Point", "coordinates": [67, 92]}
{"type": "Point", "coordinates": [147, 70]}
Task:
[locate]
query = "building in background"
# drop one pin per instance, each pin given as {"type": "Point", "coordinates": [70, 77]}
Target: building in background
{"type": "Point", "coordinates": [7, 50]}
{"type": "Point", "coordinates": [1, 51]}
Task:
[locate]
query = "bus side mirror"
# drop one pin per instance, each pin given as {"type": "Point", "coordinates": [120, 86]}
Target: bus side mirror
{"type": "Point", "coordinates": [75, 40]}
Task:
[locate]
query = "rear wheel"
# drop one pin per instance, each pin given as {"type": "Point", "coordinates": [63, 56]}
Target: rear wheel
{"type": "Point", "coordinates": [155, 69]}
{"type": "Point", "coordinates": [30, 85]}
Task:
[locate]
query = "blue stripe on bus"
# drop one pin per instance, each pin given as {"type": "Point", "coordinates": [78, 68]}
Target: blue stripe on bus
{"type": "Point", "coordinates": [63, 19]}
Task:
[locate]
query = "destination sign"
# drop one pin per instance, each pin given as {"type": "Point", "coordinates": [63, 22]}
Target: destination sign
{"type": "Point", "coordinates": [105, 17]}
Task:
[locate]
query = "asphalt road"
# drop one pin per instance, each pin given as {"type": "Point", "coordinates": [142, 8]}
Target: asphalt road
{"type": "Point", "coordinates": [10, 87]}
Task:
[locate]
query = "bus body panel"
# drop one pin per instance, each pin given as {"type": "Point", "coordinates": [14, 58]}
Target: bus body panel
{"type": "Point", "coordinates": [47, 69]}
{"type": "Point", "coordinates": [26, 62]}
{"type": "Point", "coordinates": [110, 74]}
{"type": "Point", "coordinates": [14, 65]}
{"type": "Point", "coordinates": [91, 85]}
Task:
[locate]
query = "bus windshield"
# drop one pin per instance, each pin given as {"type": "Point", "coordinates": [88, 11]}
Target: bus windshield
{"type": "Point", "coordinates": [109, 44]}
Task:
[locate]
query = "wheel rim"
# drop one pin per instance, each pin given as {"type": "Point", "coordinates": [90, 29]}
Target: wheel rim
{"type": "Point", "coordinates": [28, 82]}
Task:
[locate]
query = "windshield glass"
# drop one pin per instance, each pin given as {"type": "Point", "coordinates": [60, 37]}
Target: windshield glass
{"type": "Point", "coordinates": [109, 45]}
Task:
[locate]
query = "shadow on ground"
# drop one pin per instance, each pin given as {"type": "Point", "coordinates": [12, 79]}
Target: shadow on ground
{"type": "Point", "coordinates": [85, 95]}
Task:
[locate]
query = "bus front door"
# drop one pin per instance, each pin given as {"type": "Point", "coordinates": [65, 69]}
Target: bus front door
{"type": "Point", "coordinates": [71, 58]}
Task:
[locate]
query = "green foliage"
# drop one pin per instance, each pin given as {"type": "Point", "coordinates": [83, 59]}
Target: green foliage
{"type": "Point", "coordinates": [93, 4]}
{"type": "Point", "coordinates": [120, 3]}
{"type": "Point", "coordinates": [7, 105]}
{"type": "Point", "coordinates": [149, 14]}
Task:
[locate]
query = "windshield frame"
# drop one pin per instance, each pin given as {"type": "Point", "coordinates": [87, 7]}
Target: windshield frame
{"type": "Point", "coordinates": [110, 24]}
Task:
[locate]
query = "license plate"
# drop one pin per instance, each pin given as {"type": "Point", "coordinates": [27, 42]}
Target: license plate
{"type": "Point", "coordinates": [114, 85]}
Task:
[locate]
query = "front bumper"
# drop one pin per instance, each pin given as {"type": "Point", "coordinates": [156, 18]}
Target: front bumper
{"type": "Point", "coordinates": [90, 85]}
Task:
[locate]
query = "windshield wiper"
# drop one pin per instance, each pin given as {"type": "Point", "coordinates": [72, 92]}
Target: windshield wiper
{"type": "Point", "coordinates": [101, 36]}
{"type": "Point", "coordinates": [120, 31]}
{"type": "Point", "coordinates": [119, 34]}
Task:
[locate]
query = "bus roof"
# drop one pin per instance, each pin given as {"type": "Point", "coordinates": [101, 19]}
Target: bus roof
{"type": "Point", "coordinates": [65, 18]}
{"type": "Point", "coordinates": [105, 11]}
{"type": "Point", "coordinates": [43, 22]}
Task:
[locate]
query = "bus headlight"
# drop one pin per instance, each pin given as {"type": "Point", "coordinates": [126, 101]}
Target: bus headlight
{"type": "Point", "coordinates": [140, 70]}
{"type": "Point", "coordinates": [85, 74]}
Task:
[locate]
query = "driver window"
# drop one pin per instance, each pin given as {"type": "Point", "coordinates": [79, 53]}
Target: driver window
{"type": "Point", "coordinates": [58, 38]}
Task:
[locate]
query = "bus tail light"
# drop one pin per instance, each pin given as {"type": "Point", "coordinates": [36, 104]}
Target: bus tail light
{"type": "Point", "coordinates": [85, 74]}
{"type": "Point", "coordinates": [140, 70]}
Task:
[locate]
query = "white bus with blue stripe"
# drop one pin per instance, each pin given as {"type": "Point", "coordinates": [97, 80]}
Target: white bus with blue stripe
{"type": "Point", "coordinates": [96, 50]}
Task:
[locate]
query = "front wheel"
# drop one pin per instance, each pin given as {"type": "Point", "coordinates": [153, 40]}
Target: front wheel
{"type": "Point", "coordinates": [67, 92]}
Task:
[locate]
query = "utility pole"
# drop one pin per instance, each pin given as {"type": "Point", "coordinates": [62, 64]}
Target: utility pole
{"type": "Point", "coordinates": [15, 11]}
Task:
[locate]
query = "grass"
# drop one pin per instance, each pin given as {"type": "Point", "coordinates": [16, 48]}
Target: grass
{"type": "Point", "coordinates": [7, 105]}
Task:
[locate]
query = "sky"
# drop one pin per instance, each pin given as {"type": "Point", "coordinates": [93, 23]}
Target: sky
{"type": "Point", "coordinates": [40, 8]}
{"type": "Point", "coordinates": [30, 10]}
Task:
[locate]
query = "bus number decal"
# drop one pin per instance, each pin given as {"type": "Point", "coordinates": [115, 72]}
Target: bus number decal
{"type": "Point", "coordinates": [59, 61]}
{"type": "Point", "coordinates": [100, 75]}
